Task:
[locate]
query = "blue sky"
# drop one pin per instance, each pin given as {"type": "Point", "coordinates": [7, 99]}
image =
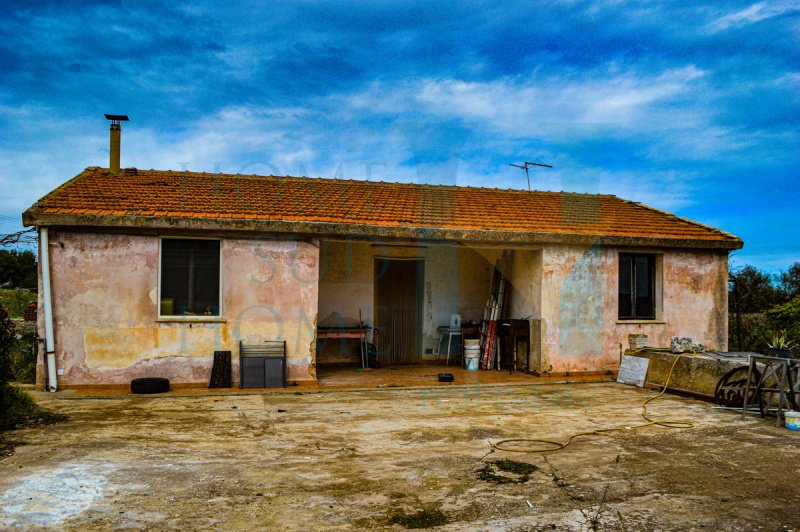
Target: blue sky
{"type": "Point", "coordinates": [690, 107]}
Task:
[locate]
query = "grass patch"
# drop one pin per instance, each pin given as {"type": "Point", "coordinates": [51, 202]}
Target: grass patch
{"type": "Point", "coordinates": [426, 518]}
{"type": "Point", "coordinates": [18, 409]}
{"type": "Point", "coordinates": [16, 301]}
{"type": "Point", "coordinates": [506, 472]}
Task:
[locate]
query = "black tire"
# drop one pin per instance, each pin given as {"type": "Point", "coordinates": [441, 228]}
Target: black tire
{"type": "Point", "coordinates": [150, 385]}
{"type": "Point", "coordinates": [446, 377]}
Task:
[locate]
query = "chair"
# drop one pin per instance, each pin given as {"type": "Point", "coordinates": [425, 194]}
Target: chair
{"type": "Point", "coordinates": [451, 332]}
{"type": "Point", "coordinates": [262, 364]}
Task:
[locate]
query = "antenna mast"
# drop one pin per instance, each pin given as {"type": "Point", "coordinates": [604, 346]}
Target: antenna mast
{"type": "Point", "coordinates": [525, 166]}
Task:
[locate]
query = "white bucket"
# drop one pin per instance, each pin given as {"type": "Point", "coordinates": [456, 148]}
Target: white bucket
{"type": "Point", "coordinates": [472, 342]}
{"type": "Point", "coordinates": [472, 364]}
{"type": "Point", "coordinates": [792, 420]}
{"type": "Point", "coordinates": [470, 352]}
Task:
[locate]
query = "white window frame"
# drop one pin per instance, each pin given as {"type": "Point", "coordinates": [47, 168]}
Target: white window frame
{"type": "Point", "coordinates": [169, 318]}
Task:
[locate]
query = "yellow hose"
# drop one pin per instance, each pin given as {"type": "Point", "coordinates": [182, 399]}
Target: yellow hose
{"type": "Point", "coordinates": [557, 446]}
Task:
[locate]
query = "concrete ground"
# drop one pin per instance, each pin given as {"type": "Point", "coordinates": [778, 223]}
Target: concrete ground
{"type": "Point", "coordinates": [396, 458]}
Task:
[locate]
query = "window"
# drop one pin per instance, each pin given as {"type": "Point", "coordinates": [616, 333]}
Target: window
{"type": "Point", "coordinates": [637, 286]}
{"type": "Point", "coordinates": [189, 277]}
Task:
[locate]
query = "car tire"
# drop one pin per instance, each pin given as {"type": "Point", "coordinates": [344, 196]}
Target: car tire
{"type": "Point", "coordinates": [150, 385]}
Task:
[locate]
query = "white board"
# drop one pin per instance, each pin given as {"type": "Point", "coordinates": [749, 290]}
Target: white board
{"type": "Point", "coordinates": [633, 370]}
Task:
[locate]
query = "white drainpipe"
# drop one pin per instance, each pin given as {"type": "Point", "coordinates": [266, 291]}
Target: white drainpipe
{"type": "Point", "coordinates": [49, 344]}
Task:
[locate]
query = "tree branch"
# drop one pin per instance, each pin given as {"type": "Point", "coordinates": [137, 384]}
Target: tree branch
{"type": "Point", "coordinates": [26, 237]}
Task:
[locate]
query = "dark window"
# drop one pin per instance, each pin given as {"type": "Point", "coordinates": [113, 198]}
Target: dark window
{"type": "Point", "coordinates": [189, 277]}
{"type": "Point", "coordinates": [637, 280]}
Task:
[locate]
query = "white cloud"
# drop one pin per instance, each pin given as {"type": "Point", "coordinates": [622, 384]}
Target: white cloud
{"type": "Point", "coordinates": [754, 13]}
{"type": "Point", "coordinates": [518, 106]}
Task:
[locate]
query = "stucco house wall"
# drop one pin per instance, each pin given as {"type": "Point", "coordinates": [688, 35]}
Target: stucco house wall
{"type": "Point", "coordinates": [581, 329]}
{"type": "Point", "coordinates": [105, 307]}
{"type": "Point", "coordinates": [104, 253]}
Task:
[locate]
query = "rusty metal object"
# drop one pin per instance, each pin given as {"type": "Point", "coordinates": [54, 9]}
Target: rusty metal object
{"type": "Point", "coordinates": [731, 387]}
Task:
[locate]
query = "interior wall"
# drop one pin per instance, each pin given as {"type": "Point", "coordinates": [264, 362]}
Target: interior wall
{"type": "Point", "coordinates": [457, 280]}
{"type": "Point", "coordinates": [525, 298]}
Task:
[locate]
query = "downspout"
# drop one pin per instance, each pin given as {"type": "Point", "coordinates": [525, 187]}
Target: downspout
{"type": "Point", "coordinates": [49, 343]}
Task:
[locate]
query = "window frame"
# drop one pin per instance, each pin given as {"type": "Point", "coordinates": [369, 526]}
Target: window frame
{"type": "Point", "coordinates": [178, 317]}
{"type": "Point", "coordinates": [656, 281]}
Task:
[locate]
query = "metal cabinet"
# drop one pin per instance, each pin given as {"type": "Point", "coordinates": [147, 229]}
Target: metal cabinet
{"type": "Point", "coordinates": [262, 364]}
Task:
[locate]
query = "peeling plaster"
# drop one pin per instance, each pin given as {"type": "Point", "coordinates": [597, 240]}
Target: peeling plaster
{"type": "Point", "coordinates": [105, 302]}
{"type": "Point", "coordinates": [106, 322]}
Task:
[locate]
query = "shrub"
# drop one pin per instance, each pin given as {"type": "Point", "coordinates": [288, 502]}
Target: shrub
{"type": "Point", "coordinates": [787, 317]}
{"type": "Point", "coordinates": [16, 406]}
{"type": "Point", "coordinates": [23, 358]}
{"type": "Point", "coordinates": [16, 301]}
{"type": "Point", "coordinates": [756, 332]}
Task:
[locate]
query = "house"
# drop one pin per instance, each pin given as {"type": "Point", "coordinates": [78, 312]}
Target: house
{"type": "Point", "coordinates": [148, 272]}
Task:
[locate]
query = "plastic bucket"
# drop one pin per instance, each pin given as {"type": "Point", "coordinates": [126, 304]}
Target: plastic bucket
{"type": "Point", "coordinates": [470, 352]}
{"type": "Point", "coordinates": [792, 420]}
{"type": "Point", "coordinates": [472, 364]}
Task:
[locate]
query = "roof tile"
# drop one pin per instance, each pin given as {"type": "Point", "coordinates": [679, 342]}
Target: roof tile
{"type": "Point", "coordinates": [202, 195]}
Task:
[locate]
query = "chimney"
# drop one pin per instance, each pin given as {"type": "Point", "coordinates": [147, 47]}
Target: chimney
{"type": "Point", "coordinates": [116, 134]}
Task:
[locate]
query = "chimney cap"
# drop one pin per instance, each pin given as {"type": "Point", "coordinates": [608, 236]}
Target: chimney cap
{"type": "Point", "coordinates": [116, 118]}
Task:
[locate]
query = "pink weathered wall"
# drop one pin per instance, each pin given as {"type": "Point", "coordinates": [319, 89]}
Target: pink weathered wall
{"type": "Point", "coordinates": [105, 293]}
{"type": "Point", "coordinates": [581, 331]}
{"type": "Point", "coordinates": [105, 296]}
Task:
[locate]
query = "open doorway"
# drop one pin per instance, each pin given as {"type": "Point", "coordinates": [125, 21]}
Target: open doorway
{"type": "Point", "coordinates": [398, 309]}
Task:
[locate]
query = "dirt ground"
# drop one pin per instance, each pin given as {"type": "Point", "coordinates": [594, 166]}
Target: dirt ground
{"type": "Point", "coordinates": [395, 458]}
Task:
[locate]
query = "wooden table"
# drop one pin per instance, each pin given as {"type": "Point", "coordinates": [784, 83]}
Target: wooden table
{"type": "Point", "coordinates": [360, 333]}
{"type": "Point", "coordinates": [514, 330]}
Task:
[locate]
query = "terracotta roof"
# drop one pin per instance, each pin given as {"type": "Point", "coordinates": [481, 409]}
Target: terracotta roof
{"type": "Point", "coordinates": [97, 197]}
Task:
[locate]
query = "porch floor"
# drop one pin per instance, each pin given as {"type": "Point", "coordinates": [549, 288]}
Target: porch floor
{"type": "Point", "coordinates": [353, 378]}
{"type": "Point", "coordinates": [423, 375]}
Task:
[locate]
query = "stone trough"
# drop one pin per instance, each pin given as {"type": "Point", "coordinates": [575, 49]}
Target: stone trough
{"type": "Point", "coordinates": [695, 374]}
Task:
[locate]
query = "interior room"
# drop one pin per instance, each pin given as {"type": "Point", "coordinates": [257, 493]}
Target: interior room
{"type": "Point", "coordinates": [412, 303]}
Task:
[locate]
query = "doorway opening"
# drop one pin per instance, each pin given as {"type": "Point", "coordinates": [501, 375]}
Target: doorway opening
{"type": "Point", "coordinates": [398, 309]}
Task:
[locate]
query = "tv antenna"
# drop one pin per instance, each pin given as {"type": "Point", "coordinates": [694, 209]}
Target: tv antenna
{"type": "Point", "coordinates": [525, 166]}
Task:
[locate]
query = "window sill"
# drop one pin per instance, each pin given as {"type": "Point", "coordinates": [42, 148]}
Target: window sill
{"type": "Point", "coordinates": [191, 319]}
{"type": "Point", "coordinates": [640, 322]}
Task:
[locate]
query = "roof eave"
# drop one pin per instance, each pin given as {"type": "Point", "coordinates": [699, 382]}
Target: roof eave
{"type": "Point", "coordinates": [34, 216]}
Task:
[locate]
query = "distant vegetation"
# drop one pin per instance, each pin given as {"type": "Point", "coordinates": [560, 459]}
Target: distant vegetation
{"type": "Point", "coordinates": [18, 269]}
{"type": "Point", "coordinates": [18, 282]}
{"type": "Point", "coordinates": [762, 306]}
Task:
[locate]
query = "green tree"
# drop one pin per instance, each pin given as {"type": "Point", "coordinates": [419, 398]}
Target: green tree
{"type": "Point", "coordinates": [751, 290]}
{"type": "Point", "coordinates": [790, 282]}
{"type": "Point", "coordinates": [18, 269]}
{"type": "Point", "coordinates": [786, 317]}
{"type": "Point", "coordinates": [751, 293]}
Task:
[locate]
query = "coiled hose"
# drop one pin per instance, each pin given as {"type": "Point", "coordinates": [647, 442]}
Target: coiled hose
{"type": "Point", "coordinates": [649, 422]}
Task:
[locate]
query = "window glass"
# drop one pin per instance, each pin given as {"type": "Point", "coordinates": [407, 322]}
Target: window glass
{"type": "Point", "coordinates": [189, 277]}
{"type": "Point", "coordinates": [637, 286]}
{"type": "Point", "coordinates": [625, 286]}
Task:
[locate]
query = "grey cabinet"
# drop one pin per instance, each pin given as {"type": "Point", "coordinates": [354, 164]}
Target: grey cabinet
{"type": "Point", "coordinates": [262, 364]}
